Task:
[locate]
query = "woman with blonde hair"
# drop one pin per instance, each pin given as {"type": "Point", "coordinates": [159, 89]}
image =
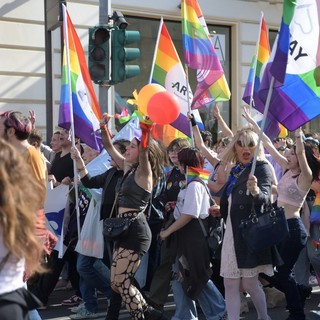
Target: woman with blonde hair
{"type": "Point", "coordinates": [20, 249]}
{"type": "Point", "coordinates": [239, 267]}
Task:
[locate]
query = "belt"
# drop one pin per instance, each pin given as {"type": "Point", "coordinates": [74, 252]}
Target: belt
{"type": "Point", "coordinates": [129, 214]}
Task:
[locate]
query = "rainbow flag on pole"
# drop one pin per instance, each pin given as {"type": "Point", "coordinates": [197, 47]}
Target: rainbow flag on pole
{"type": "Point", "coordinates": [193, 173]}
{"type": "Point", "coordinates": [167, 71]}
{"type": "Point", "coordinates": [199, 53]}
{"type": "Point", "coordinates": [296, 101]}
{"type": "Point", "coordinates": [78, 102]}
{"type": "Point", "coordinates": [251, 92]}
{"type": "Point", "coordinates": [259, 59]}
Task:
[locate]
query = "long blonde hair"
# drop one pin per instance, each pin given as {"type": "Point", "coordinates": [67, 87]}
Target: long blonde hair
{"type": "Point", "coordinates": [19, 203]}
{"type": "Point", "coordinates": [246, 136]}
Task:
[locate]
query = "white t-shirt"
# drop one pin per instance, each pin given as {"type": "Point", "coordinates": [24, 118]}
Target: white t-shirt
{"type": "Point", "coordinates": [11, 275]}
{"type": "Point", "coordinates": [194, 201]}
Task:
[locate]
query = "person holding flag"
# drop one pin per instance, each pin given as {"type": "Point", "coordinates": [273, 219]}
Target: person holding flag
{"type": "Point", "coordinates": [240, 268]}
{"type": "Point", "coordinates": [302, 168]}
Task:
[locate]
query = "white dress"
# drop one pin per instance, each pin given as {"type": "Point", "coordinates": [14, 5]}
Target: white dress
{"type": "Point", "coordinates": [229, 266]}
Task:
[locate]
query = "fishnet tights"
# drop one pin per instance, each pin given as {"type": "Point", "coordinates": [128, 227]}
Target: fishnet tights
{"type": "Point", "coordinates": [124, 265]}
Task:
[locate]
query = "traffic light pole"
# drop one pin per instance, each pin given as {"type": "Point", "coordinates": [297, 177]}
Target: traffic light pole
{"type": "Point", "coordinates": [105, 96]}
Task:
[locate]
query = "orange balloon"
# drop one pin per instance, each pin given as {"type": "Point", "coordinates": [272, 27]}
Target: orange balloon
{"type": "Point", "coordinates": [145, 95]}
{"type": "Point", "coordinates": [163, 107]}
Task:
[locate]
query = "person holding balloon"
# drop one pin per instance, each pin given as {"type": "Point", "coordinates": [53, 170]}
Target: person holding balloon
{"type": "Point", "coordinates": [142, 167]}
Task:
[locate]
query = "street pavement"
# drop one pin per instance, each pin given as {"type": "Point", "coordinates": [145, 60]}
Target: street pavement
{"type": "Point", "coordinates": [56, 311]}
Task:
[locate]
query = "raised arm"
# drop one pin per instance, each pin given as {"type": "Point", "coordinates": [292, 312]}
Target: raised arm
{"type": "Point", "coordinates": [267, 143]}
{"type": "Point", "coordinates": [200, 144]}
{"type": "Point", "coordinates": [117, 157]}
{"type": "Point", "coordinates": [144, 171]}
{"type": "Point", "coordinates": [226, 131]}
{"type": "Point", "coordinates": [305, 177]}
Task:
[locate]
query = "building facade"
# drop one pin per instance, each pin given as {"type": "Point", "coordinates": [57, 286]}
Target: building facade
{"type": "Point", "coordinates": [234, 25]}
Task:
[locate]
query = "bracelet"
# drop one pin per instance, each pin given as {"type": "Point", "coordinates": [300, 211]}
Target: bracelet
{"type": "Point", "coordinates": [298, 136]}
{"type": "Point", "coordinates": [81, 169]}
{"type": "Point", "coordinates": [103, 128]}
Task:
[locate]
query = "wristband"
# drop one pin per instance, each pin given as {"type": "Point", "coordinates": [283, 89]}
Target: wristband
{"type": "Point", "coordinates": [81, 169]}
{"type": "Point", "coordinates": [193, 121]}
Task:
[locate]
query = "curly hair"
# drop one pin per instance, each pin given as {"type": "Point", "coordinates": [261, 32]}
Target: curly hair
{"type": "Point", "coordinates": [18, 207]}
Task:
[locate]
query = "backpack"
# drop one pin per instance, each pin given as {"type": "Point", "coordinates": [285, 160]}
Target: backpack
{"type": "Point", "coordinates": [214, 235]}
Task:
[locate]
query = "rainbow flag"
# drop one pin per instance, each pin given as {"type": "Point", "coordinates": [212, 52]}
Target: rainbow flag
{"type": "Point", "coordinates": [259, 59]}
{"type": "Point", "coordinates": [297, 100]}
{"type": "Point", "coordinates": [200, 54]}
{"type": "Point", "coordinates": [251, 92]}
{"type": "Point", "coordinates": [280, 60]}
{"type": "Point", "coordinates": [167, 71]}
{"type": "Point", "coordinates": [193, 173]}
{"type": "Point", "coordinates": [78, 102]}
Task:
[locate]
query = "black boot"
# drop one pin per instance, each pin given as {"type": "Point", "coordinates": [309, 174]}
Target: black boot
{"type": "Point", "coordinates": [154, 314]}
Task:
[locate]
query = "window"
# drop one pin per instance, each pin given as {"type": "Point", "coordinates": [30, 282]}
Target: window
{"type": "Point", "coordinates": [149, 30]}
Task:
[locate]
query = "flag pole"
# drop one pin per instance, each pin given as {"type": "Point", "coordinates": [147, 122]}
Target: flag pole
{"type": "Point", "coordinates": [255, 63]}
{"type": "Point", "coordinates": [186, 70]}
{"type": "Point", "coordinates": [264, 119]}
{"type": "Point", "coordinates": [75, 172]}
{"type": "Point", "coordinates": [155, 50]}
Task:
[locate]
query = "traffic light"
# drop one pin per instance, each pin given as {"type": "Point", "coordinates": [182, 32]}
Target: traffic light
{"type": "Point", "coordinates": [120, 55]}
{"type": "Point", "coordinates": [99, 37]}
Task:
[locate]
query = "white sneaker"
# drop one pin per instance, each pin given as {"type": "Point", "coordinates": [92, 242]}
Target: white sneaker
{"type": "Point", "coordinates": [76, 309]}
{"type": "Point", "coordinates": [84, 314]}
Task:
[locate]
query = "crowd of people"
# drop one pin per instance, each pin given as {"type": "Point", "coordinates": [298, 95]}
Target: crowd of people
{"type": "Point", "coordinates": [166, 248]}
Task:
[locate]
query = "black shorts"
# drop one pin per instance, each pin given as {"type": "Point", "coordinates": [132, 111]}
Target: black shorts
{"type": "Point", "coordinates": [139, 237]}
{"type": "Point", "coordinates": [15, 304]}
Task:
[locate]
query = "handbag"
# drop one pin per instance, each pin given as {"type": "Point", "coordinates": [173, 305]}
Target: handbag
{"type": "Point", "coordinates": [116, 228]}
{"type": "Point", "coordinates": [264, 230]}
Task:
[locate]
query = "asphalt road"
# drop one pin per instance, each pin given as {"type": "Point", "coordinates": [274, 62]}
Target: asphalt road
{"type": "Point", "coordinates": [56, 311]}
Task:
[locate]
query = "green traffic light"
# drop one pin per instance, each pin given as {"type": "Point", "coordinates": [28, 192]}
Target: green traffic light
{"type": "Point", "coordinates": [120, 55]}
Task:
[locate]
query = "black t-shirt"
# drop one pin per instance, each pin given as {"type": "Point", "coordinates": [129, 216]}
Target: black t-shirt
{"type": "Point", "coordinates": [62, 167]}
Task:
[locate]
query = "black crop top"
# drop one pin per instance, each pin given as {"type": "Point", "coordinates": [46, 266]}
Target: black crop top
{"type": "Point", "coordinates": [133, 196]}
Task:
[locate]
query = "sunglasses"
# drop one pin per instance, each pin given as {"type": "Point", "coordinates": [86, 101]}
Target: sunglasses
{"type": "Point", "coordinates": [242, 145]}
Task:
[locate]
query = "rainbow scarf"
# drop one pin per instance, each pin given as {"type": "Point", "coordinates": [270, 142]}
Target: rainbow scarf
{"type": "Point", "coordinates": [295, 101]}
{"type": "Point", "coordinates": [193, 173]}
{"type": "Point", "coordinates": [199, 53]}
{"type": "Point", "coordinates": [78, 102]}
{"type": "Point", "coordinates": [167, 70]}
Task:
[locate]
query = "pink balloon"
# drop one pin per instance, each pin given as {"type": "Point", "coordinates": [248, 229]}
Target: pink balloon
{"type": "Point", "coordinates": [163, 107]}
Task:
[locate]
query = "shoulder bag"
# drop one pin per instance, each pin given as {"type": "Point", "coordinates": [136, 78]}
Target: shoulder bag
{"type": "Point", "coordinates": [265, 229]}
{"type": "Point", "coordinates": [214, 236]}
